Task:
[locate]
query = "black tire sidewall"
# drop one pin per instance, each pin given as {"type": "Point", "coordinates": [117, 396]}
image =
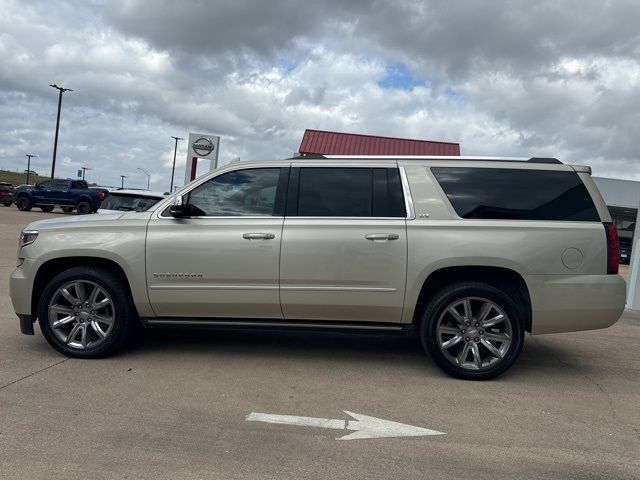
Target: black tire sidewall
{"type": "Point", "coordinates": [84, 208]}
{"type": "Point", "coordinates": [124, 316]}
{"type": "Point", "coordinates": [23, 204]}
{"type": "Point", "coordinates": [443, 299]}
{"type": "Point", "coordinates": [7, 204]}
{"type": "Point", "coordinates": [47, 209]}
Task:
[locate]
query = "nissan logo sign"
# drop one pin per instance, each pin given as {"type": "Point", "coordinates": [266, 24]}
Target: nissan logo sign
{"type": "Point", "coordinates": [202, 146]}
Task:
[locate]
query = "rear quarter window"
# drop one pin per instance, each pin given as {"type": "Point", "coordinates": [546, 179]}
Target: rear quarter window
{"type": "Point", "coordinates": [516, 194]}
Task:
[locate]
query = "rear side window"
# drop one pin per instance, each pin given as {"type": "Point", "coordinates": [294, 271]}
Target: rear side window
{"type": "Point", "coordinates": [515, 194]}
{"type": "Point", "coordinates": [348, 192]}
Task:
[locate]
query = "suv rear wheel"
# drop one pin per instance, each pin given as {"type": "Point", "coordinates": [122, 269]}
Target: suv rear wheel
{"type": "Point", "coordinates": [47, 208]}
{"type": "Point", "coordinates": [67, 209]}
{"type": "Point", "coordinates": [472, 330]}
{"type": "Point", "coordinates": [7, 204]}
{"type": "Point", "coordinates": [86, 312]}
{"type": "Point", "coordinates": [24, 204]}
{"type": "Point", "coordinates": [84, 208]}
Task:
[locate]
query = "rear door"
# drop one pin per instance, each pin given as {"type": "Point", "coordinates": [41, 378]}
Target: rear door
{"type": "Point", "coordinates": [344, 244]}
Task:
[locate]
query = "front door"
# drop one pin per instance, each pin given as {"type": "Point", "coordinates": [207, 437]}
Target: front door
{"type": "Point", "coordinates": [344, 245]}
{"type": "Point", "coordinates": [221, 261]}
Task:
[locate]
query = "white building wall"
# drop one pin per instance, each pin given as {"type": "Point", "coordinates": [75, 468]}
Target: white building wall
{"type": "Point", "coordinates": [619, 193]}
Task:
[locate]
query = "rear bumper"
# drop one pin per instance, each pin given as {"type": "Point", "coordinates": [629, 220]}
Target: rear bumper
{"type": "Point", "coordinates": [562, 303]}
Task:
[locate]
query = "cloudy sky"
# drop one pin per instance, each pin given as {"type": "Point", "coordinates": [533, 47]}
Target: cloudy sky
{"type": "Point", "coordinates": [502, 77]}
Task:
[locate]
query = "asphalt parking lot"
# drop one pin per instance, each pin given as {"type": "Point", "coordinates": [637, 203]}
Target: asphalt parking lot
{"type": "Point", "coordinates": [175, 405]}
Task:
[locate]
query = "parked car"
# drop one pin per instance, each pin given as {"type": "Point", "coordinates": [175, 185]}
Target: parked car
{"type": "Point", "coordinates": [6, 194]}
{"type": "Point", "coordinates": [468, 253]}
{"type": "Point", "coordinates": [67, 194]}
{"type": "Point", "coordinates": [129, 200]}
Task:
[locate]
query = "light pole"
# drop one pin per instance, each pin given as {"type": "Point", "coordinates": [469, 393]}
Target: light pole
{"type": "Point", "coordinates": [175, 150]}
{"type": "Point", "coordinates": [55, 141]}
{"type": "Point", "coordinates": [29, 157]}
{"type": "Point", "coordinates": [148, 177]}
{"type": "Point", "coordinates": [84, 169]}
{"type": "Point", "coordinates": [122, 180]}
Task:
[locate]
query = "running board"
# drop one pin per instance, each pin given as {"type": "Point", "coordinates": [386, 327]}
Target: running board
{"type": "Point", "coordinates": [370, 327]}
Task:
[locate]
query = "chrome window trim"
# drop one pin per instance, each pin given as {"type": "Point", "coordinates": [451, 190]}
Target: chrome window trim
{"type": "Point", "coordinates": [408, 201]}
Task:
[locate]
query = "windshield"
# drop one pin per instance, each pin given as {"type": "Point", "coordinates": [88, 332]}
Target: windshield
{"type": "Point", "coordinates": [128, 203]}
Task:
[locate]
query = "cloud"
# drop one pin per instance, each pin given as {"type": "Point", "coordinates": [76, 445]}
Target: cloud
{"type": "Point", "coordinates": [502, 78]}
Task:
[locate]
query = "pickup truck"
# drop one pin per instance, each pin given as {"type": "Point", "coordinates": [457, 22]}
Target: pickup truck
{"type": "Point", "coordinates": [67, 194]}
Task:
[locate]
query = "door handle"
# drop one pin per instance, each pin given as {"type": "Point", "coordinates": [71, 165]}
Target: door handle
{"type": "Point", "coordinates": [382, 236]}
{"type": "Point", "coordinates": [258, 236]}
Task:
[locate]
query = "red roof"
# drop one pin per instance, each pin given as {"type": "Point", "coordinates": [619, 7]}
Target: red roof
{"type": "Point", "coordinates": [318, 142]}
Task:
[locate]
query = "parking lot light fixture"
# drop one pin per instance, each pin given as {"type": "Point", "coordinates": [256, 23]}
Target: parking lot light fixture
{"type": "Point", "coordinates": [55, 140]}
{"type": "Point", "coordinates": [173, 169]}
{"type": "Point", "coordinates": [122, 177]}
{"type": "Point", "coordinates": [29, 157]}
{"type": "Point", "coordinates": [148, 177]}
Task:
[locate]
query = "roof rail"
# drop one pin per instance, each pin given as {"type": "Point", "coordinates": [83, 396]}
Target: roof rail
{"type": "Point", "coordinates": [544, 160]}
{"type": "Point", "coordinates": [315, 156]}
{"type": "Point", "coordinates": [310, 156]}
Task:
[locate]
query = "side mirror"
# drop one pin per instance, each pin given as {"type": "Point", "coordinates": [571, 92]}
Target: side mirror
{"type": "Point", "coordinates": [178, 209]}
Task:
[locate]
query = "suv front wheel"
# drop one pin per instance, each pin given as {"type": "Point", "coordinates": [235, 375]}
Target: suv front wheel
{"type": "Point", "coordinates": [472, 330]}
{"type": "Point", "coordinates": [86, 312]}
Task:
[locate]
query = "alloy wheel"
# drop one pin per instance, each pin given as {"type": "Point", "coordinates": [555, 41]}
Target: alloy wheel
{"type": "Point", "coordinates": [81, 314]}
{"type": "Point", "coordinates": [474, 333]}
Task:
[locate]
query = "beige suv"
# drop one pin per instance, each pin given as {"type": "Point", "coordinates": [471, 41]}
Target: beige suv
{"type": "Point", "coordinates": [470, 253]}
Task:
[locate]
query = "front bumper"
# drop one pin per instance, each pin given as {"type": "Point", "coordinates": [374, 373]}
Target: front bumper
{"type": "Point", "coordinates": [21, 288]}
{"type": "Point", "coordinates": [563, 303]}
{"type": "Point", "coordinates": [26, 324]}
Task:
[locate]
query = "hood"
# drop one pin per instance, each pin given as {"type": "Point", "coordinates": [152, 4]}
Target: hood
{"type": "Point", "coordinates": [83, 221]}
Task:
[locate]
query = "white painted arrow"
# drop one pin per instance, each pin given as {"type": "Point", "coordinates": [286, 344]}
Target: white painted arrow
{"type": "Point", "coordinates": [363, 426]}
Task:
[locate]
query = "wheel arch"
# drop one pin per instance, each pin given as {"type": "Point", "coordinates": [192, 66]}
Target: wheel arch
{"type": "Point", "coordinates": [500, 277]}
{"type": "Point", "coordinates": [52, 267]}
{"type": "Point", "coordinates": [84, 198]}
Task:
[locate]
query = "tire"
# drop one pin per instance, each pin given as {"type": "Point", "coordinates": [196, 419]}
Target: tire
{"type": "Point", "coordinates": [24, 204]}
{"type": "Point", "coordinates": [67, 209]}
{"type": "Point", "coordinates": [7, 204]}
{"type": "Point", "coordinates": [47, 208]}
{"type": "Point", "coordinates": [84, 208]}
{"type": "Point", "coordinates": [115, 318]}
{"type": "Point", "coordinates": [445, 335]}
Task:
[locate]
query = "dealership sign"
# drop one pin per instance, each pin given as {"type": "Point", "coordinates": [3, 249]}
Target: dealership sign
{"type": "Point", "coordinates": [201, 146]}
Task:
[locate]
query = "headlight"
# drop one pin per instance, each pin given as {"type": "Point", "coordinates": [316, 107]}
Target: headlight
{"type": "Point", "coordinates": [27, 237]}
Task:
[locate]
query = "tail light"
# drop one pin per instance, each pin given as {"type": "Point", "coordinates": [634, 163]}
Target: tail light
{"type": "Point", "coordinates": [101, 195]}
{"type": "Point", "coordinates": [613, 247]}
